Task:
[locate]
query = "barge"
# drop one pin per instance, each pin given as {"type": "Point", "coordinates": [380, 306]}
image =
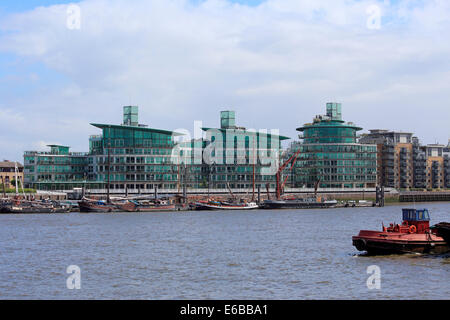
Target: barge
{"type": "Point", "coordinates": [223, 205]}
{"type": "Point", "coordinates": [308, 203]}
{"type": "Point", "coordinates": [20, 206]}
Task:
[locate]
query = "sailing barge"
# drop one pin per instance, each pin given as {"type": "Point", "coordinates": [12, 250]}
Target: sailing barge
{"type": "Point", "coordinates": [126, 205]}
{"type": "Point", "coordinates": [20, 206]}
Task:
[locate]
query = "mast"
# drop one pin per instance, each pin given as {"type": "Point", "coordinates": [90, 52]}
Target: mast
{"type": "Point", "coordinates": [16, 169]}
{"type": "Point", "coordinates": [108, 198]}
{"type": "Point", "coordinates": [268, 190]}
{"type": "Point", "coordinates": [4, 188]}
{"type": "Point", "coordinates": [254, 161]}
{"type": "Point", "coordinates": [179, 177]}
{"type": "Point", "coordinates": [184, 184]}
{"type": "Point", "coordinates": [23, 190]}
{"type": "Point", "coordinates": [230, 191]}
{"type": "Point", "coordinates": [209, 177]}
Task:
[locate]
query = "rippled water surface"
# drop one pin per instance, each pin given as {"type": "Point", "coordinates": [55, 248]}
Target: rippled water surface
{"type": "Point", "coordinates": [293, 254]}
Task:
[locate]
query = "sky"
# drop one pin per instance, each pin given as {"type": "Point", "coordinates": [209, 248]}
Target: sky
{"type": "Point", "coordinates": [275, 62]}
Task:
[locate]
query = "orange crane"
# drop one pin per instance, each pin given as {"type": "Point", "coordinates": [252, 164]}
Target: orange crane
{"type": "Point", "coordinates": [280, 185]}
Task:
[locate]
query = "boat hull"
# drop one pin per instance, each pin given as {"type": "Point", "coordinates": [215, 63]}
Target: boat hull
{"type": "Point", "coordinates": [443, 230]}
{"type": "Point", "coordinates": [295, 204]}
{"type": "Point", "coordinates": [31, 210]}
{"type": "Point", "coordinates": [90, 206]}
{"type": "Point", "coordinates": [161, 208]}
{"type": "Point", "coordinates": [87, 207]}
{"type": "Point", "coordinates": [206, 206]}
{"type": "Point", "coordinates": [398, 243]}
{"type": "Point", "coordinates": [126, 207]}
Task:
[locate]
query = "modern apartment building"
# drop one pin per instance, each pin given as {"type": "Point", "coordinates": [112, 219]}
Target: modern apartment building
{"type": "Point", "coordinates": [437, 166]}
{"type": "Point", "coordinates": [419, 179]}
{"type": "Point", "coordinates": [129, 155]}
{"type": "Point", "coordinates": [132, 156]}
{"type": "Point", "coordinates": [241, 158]}
{"type": "Point", "coordinates": [405, 164]}
{"type": "Point", "coordinates": [56, 169]}
{"type": "Point", "coordinates": [331, 155]}
{"type": "Point", "coordinates": [447, 166]}
{"type": "Point", "coordinates": [231, 157]}
{"type": "Point", "coordinates": [395, 157]}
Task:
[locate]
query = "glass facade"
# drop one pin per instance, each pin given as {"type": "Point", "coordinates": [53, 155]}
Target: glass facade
{"type": "Point", "coordinates": [227, 119]}
{"type": "Point", "coordinates": [129, 156]}
{"type": "Point", "coordinates": [231, 157]}
{"type": "Point", "coordinates": [130, 116]}
{"type": "Point", "coordinates": [331, 155]}
{"type": "Point", "coordinates": [58, 169]}
{"type": "Point", "coordinates": [134, 157]}
{"type": "Point", "coordinates": [241, 157]}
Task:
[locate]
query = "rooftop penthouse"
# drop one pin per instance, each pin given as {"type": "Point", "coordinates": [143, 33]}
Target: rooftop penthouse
{"type": "Point", "coordinates": [56, 150]}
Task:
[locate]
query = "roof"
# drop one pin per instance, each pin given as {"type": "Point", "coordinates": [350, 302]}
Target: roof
{"type": "Point", "coordinates": [103, 126]}
{"type": "Point", "coordinates": [383, 131]}
{"type": "Point", "coordinates": [247, 132]}
{"type": "Point", "coordinates": [10, 164]}
{"type": "Point", "coordinates": [332, 124]}
{"type": "Point", "coordinates": [57, 146]}
{"type": "Point", "coordinates": [435, 145]}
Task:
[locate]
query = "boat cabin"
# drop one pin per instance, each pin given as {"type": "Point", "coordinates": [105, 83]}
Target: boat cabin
{"type": "Point", "coordinates": [420, 218]}
{"type": "Point", "coordinates": [416, 215]}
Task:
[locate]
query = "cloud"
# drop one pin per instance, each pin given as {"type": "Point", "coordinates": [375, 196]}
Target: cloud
{"type": "Point", "coordinates": [276, 63]}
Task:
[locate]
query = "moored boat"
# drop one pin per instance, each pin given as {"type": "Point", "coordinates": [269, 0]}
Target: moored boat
{"type": "Point", "coordinates": [307, 203]}
{"type": "Point", "coordinates": [98, 206]}
{"type": "Point", "coordinates": [414, 235]}
{"type": "Point", "coordinates": [360, 203]}
{"type": "Point", "coordinates": [443, 230]}
{"type": "Point", "coordinates": [22, 205]}
{"type": "Point", "coordinates": [223, 205]}
{"type": "Point", "coordinates": [125, 205]}
{"type": "Point", "coordinates": [154, 206]}
{"type": "Point", "coordinates": [72, 205]}
{"type": "Point", "coordinates": [19, 206]}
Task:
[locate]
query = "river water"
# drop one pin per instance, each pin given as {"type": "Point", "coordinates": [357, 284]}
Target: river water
{"type": "Point", "coordinates": [263, 254]}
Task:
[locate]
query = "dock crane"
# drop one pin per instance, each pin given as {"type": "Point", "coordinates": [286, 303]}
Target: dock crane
{"type": "Point", "coordinates": [280, 184]}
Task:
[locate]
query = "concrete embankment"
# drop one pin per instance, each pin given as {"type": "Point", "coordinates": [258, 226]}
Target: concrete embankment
{"type": "Point", "coordinates": [391, 197]}
{"type": "Point", "coordinates": [430, 196]}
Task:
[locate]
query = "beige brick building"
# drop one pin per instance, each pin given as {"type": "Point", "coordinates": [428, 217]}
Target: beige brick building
{"type": "Point", "coordinates": [7, 173]}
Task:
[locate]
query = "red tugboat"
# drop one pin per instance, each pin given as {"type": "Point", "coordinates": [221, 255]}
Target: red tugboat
{"type": "Point", "coordinates": [414, 235]}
